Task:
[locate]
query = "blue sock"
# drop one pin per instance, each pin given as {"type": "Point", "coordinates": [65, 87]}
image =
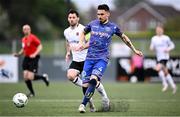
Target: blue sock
{"type": "Point", "coordinates": [89, 92]}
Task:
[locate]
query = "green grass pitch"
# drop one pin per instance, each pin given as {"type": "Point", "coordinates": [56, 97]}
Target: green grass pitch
{"type": "Point", "coordinates": [63, 99]}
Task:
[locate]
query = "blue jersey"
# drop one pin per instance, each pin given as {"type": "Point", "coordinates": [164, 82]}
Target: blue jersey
{"type": "Point", "coordinates": [100, 39]}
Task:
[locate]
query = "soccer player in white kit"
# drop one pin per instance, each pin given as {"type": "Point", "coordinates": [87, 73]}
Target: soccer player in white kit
{"type": "Point", "coordinates": [162, 45]}
{"type": "Point", "coordinates": [72, 35]}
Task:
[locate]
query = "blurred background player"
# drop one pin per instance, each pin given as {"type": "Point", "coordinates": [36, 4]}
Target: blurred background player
{"type": "Point", "coordinates": [98, 52]}
{"type": "Point", "coordinates": [162, 45]}
{"type": "Point", "coordinates": [31, 47]}
{"type": "Point", "coordinates": [72, 35]}
{"type": "Point", "coordinates": [137, 69]}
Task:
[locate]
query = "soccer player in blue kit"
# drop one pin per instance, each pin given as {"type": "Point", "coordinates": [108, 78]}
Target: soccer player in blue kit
{"type": "Point", "coordinates": [98, 52]}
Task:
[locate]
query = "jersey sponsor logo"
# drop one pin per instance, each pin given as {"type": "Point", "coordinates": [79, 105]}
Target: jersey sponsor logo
{"type": "Point", "coordinates": [95, 26]}
{"type": "Point", "coordinates": [100, 34]}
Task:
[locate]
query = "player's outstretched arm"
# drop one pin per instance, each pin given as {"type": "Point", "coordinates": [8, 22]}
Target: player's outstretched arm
{"type": "Point", "coordinates": [19, 53]}
{"type": "Point", "coordinates": [127, 41]}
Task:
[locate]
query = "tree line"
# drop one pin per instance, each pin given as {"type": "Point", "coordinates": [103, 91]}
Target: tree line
{"type": "Point", "coordinates": [46, 17]}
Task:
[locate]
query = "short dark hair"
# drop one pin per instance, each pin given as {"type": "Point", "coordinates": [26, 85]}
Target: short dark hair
{"type": "Point", "coordinates": [103, 7]}
{"type": "Point", "coordinates": [72, 11]}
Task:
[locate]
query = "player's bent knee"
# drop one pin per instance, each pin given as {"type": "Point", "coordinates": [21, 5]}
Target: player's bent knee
{"type": "Point", "coordinates": [166, 72]}
{"type": "Point", "coordinates": [158, 67]}
{"type": "Point", "coordinates": [93, 82]}
{"type": "Point", "coordinates": [85, 85]}
{"type": "Point", "coordinates": [31, 76]}
{"type": "Point", "coordinates": [94, 77]}
{"type": "Point", "coordinates": [25, 78]}
{"type": "Point", "coordinates": [71, 74]}
{"type": "Point", "coordinates": [71, 77]}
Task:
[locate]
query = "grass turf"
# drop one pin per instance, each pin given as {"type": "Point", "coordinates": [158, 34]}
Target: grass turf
{"type": "Point", "coordinates": [63, 99]}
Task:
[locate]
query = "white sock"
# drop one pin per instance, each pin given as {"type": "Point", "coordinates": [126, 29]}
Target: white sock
{"type": "Point", "coordinates": [77, 81]}
{"type": "Point", "coordinates": [101, 90]}
{"type": "Point", "coordinates": [162, 76]}
{"type": "Point", "coordinates": [170, 80]}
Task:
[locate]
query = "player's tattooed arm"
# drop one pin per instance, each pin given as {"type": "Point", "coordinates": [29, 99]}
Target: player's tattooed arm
{"type": "Point", "coordinates": [127, 41]}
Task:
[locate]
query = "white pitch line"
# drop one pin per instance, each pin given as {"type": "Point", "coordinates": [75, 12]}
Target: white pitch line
{"type": "Point", "coordinates": [76, 100]}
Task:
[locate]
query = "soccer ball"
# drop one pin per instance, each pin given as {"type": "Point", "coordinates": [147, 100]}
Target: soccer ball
{"type": "Point", "coordinates": [133, 79]}
{"type": "Point", "coordinates": [20, 100]}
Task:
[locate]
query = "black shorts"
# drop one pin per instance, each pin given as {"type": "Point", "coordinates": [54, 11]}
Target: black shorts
{"type": "Point", "coordinates": [31, 64]}
{"type": "Point", "coordinates": [77, 65]}
{"type": "Point", "coordinates": [163, 62]}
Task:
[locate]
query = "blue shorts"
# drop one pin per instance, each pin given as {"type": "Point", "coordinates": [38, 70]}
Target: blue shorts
{"type": "Point", "coordinates": [93, 67]}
